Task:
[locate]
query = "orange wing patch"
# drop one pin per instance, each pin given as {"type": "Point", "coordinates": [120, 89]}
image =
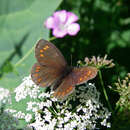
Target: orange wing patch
{"type": "Point", "coordinates": [42, 50]}
{"type": "Point", "coordinates": [36, 75]}
{"type": "Point", "coordinates": [37, 69]}
{"type": "Point", "coordinates": [83, 74]}
{"type": "Point", "coordinates": [46, 47]}
{"type": "Point", "coordinates": [39, 80]}
{"type": "Point", "coordinates": [69, 89]}
{"type": "Point", "coordinates": [88, 73]}
{"type": "Point", "coordinates": [80, 79]}
{"type": "Point", "coordinates": [41, 55]}
{"type": "Point", "coordinates": [85, 77]}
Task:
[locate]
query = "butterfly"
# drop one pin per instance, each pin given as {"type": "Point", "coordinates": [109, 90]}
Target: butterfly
{"type": "Point", "coordinates": [52, 69]}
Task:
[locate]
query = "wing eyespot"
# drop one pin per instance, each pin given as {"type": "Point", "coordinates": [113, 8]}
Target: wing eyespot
{"type": "Point", "coordinates": [36, 75]}
{"type": "Point", "coordinates": [38, 67]}
{"type": "Point", "coordinates": [41, 55]}
{"type": "Point", "coordinates": [46, 47]}
{"type": "Point", "coordinates": [80, 79]}
{"type": "Point", "coordinates": [41, 50]}
{"type": "Point", "coordinates": [63, 93]}
{"type": "Point", "coordinates": [39, 80]}
{"type": "Point", "coordinates": [88, 73]}
{"type": "Point", "coordinates": [37, 70]}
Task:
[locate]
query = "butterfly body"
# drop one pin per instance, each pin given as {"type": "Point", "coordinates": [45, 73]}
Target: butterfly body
{"type": "Point", "coordinates": [52, 69]}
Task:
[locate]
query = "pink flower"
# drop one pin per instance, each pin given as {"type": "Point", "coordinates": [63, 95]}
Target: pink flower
{"type": "Point", "coordinates": [63, 23]}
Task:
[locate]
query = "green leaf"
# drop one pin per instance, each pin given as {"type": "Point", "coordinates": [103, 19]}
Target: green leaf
{"type": "Point", "coordinates": [21, 25]}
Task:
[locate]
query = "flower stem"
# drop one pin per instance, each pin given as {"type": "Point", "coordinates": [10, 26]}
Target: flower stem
{"type": "Point", "coordinates": [29, 52]}
{"type": "Point", "coordinates": [52, 38]}
{"type": "Point", "coordinates": [104, 91]}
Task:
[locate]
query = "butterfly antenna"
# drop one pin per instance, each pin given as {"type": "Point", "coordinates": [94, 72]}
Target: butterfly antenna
{"type": "Point", "coordinates": [71, 60]}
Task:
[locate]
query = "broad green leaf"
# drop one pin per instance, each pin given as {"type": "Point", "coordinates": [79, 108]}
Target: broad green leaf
{"type": "Point", "coordinates": [21, 25]}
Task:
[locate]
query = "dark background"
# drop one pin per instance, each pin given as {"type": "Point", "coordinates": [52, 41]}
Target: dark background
{"type": "Point", "coordinates": [105, 29]}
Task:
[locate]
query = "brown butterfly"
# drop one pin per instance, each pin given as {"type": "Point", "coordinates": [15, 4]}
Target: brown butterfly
{"type": "Point", "coordinates": [52, 69]}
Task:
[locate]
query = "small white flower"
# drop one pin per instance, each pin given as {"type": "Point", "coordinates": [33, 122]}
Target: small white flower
{"type": "Point", "coordinates": [108, 125]}
{"type": "Point", "coordinates": [5, 97]}
{"type": "Point", "coordinates": [28, 117]}
{"type": "Point", "coordinates": [19, 115]}
{"type": "Point", "coordinates": [10, 110]}
{"type": "Point", "coordinates": [27, 88]}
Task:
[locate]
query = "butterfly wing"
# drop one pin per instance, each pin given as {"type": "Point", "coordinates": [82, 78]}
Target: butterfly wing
{"type": "Point", "coordinates": [47, 54]}
{"type": "Point", "coordinates": [83, 74]}
{"type": "Point", "coordinates": [65, 88]}
{"type": "Point", "coordinates": [43, 75]}
{"type": "Point", "coordinates": [76, 77]}
{"type": "Point", "coordinates": [50, 66]}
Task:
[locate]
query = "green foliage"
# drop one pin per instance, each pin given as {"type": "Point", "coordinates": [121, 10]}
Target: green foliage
{"type": "Point", "coordinates": [123, 105]}
{"type": "Point", "coordinates": [21, 25]}
{"type": "Point", "coordinates": [123, 88]}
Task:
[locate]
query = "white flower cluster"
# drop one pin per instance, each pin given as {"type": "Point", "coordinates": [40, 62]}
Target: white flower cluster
{"type": "Point", "coordinates": [81, 110]}
{"type": "Point", "coordinates": [26, 88]}
{"type": "Point", "coordinates": [7, 121]}
{"type": "Point", "coordinates": [5, 97]}
{"type": "Point", "coordinates": [19, 114]}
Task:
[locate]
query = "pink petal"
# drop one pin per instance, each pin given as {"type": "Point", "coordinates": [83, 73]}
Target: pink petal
{"type": "Point", "coordinates": [61, 15]}
{"type": "Point", "coordinates": [49, 23]}
{"type": "Point", "coordinates": [59, 33]}
{"type": "Point", "coordinates": [73, 29]}
{"type": "Point", "coordinates": [71, 18]}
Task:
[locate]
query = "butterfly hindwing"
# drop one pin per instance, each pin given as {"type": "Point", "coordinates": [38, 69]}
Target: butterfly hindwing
{"type": "Point", "coordinates": [65, 88]}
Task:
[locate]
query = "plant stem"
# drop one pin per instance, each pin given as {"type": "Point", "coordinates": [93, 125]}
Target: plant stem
{"type": "Point", "coordinates": [29, 52]}
{"type": "Point", "coordinates": [52, 38]}
{"type": "Point", "coordinates": [104, 91]}
{"type": "Point", "coordinates": [25, 56]}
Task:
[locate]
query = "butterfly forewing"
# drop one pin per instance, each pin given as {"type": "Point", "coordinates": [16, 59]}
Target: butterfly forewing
{"type": "Point", "coordinates": [47, 54]}
{"type": "Point", "coordinates": [83, 74]}
{"type": "Point", "coordinates": [50, 66]}
{"type": "Point", "coordinates": [43, 75]}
